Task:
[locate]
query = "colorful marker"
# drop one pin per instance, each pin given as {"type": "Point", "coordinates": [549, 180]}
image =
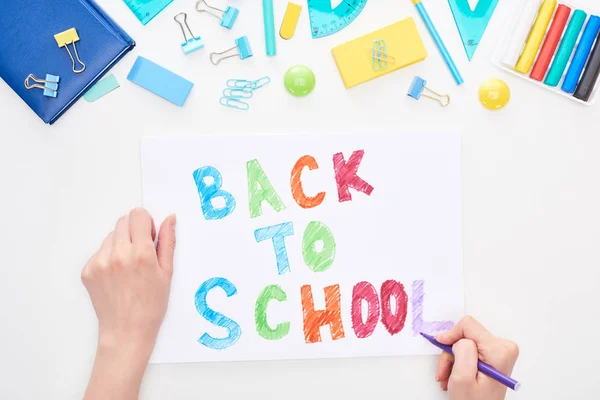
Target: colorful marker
{"type": "Point", "coordinates": [536, 36]}
{"type": "Point", "coordinates": [438, 41]}
{"type": "Point", "coordinates": [567, 45]}
{"type": "Point", "coordinates": [581, 54]}
{"type": "Point", "coordinates": [590, 75]}
{"type": "Point", "coordinates": [481, 366]}
{"type": "Point", "coordinates": [551, 42]}
{"type": "Point", "coordinates": [269, 21]}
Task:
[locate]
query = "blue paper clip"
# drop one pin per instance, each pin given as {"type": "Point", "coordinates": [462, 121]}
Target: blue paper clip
{"type": "Point", "coordinates": [418, 87]}
{"type": "Point", "coordinates": [379, 56]}
{"type": "Point", "coordinates": [234, 103]}
{"type": "Point", "coordinates": [242, 45]}
{"type": "Point", "coordinates": [227, 17]}
{"type": "Point", "coordinates": [252, 85]}
{"type": "Point", "coordinates": [49, 85]}
{"type": "Point", "coordinates": [244, 93]}
{"type": "Point", "coordinates": [194, 42]}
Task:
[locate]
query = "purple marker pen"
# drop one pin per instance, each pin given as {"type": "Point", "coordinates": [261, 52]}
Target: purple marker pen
{"type": "Point", "coordinates": [481, 366]}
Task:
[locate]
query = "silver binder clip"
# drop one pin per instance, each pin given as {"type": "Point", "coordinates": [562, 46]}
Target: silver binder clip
{"type": "Point", "coordinates": [49, 85]}
{"type": "Point", "coordinates": [242, 45]}
{"type": "Point", "coordinates": [64, 39]}
{"type": "Point", "coordinates": [194, 42]}
{"type": "Point", "coordinates": [227, 16]}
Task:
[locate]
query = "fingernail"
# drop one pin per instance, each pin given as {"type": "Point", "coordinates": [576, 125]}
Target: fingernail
{"type": "Point", "coordinates": [174, 219]}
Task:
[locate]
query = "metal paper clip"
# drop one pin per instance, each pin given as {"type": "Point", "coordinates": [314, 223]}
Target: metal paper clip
{"type": "Point", "coordinates": [50, 84]}
{"type": "Point", "coordinates": [242, 45]}
{"type": "Point", "coordinates": [64, 39]}
{"type": "Point", "coordinates": [194, 42]}
{"type": "Point", "coordinates": [227, 17]}
{"type": "Point", "coordinates": [418, 87]}
{"type": "Point", "coordinates": [379, 56]}
{"type": "Point", "coordinates": [234, 103]}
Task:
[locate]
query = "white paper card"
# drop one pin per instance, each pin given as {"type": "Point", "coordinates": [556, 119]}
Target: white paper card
{"type": "Point", "coordinates": [363, 253]}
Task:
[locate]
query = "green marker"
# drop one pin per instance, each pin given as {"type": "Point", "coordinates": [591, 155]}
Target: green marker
{"type": "Point", "coordinates": [566, 48]}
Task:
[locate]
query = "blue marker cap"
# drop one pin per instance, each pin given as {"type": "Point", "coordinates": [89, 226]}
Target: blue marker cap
{"type": "Point", "coordinates": [244, 47]}
{"type": "Point", "coordinates": [417, 87]}
{"type": "Point", "coordinates": [229, 17]}
{"type": "Point", "coordinates": [51, 85]}
{"type": "Point", "coordinates": [581, 54]}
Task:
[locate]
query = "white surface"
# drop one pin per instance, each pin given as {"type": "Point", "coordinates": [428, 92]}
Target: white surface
{"type": "Point", "coordinates": [414, 208]}
{"type": "Point", "coordinates": [530, 208]}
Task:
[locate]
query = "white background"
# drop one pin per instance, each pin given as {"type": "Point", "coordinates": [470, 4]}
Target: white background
{"type": "Point", "coordinates": [531, 215]}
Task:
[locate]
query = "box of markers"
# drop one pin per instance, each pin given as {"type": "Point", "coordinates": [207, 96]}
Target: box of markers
{"type": "Point", "coordinates": [555, 44]}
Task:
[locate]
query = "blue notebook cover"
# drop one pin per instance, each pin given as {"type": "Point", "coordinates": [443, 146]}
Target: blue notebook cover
{"type": "Point", "coordinates": [27, 46]}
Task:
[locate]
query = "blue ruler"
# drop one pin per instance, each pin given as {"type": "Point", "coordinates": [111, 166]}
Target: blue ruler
{"type": "Point", "coordinates": [145, 10]}
{"type": "Point", "coordinates": [326, 20]}
{"type": "Point", "coordinates": [472, 23]}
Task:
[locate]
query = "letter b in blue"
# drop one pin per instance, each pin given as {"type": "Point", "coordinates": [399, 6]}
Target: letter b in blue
{"type": "Point", "coordinates": [212, 190]}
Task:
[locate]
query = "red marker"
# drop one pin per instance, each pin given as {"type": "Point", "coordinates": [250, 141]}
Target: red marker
{"type": "Point", "coordinates": [552, 38]}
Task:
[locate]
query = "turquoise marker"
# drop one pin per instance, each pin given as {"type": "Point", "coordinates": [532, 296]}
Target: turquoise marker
{"type": "Point", "coordinates": [567, 45]}
{"type": "Point", "coordinates": [438, 42]}
{"type": "Point", "coordinates": [269, 21]}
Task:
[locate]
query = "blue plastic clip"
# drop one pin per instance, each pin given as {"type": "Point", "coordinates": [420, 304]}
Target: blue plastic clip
{"type": "Point", "coordinates": [234, 102]}
{"type": "Point", "coordinates": [194, 42]}
{"type": "Point", "coordinates": [49, 85]}
{"type": "Point", "coordinates": [242, 45]}
{"type": "Point", "coordinates": [418, 87]}
{"type": "Point", "coordinates": [227, 17]}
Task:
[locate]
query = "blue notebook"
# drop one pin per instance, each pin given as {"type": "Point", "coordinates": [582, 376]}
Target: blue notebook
{"type": "Point", "coordinates": [27, 46]}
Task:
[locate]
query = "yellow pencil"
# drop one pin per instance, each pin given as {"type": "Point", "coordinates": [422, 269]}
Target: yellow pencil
{"type": "Point", "coordinates": [536, 36]}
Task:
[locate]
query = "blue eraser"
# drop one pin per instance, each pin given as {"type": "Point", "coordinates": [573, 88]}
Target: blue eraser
{"type": "Point", "coordinates": [160, 81]}
{"type": "Point", "coordinates": [51, 84]}
{"type": "Point", "coordinates": [417, 87]}
{"type": "Point", "coordinates": [229, 17]}
{"type": "Point", "coordinates": [244, 47]}
{"type": "Point", "coordinates": [192, 45]}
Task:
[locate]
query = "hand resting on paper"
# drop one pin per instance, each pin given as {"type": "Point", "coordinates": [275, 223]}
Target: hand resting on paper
{"type": "Point", "coordinates": [128, 280]}
{"type": "Point", "coordinates": [471, 342]}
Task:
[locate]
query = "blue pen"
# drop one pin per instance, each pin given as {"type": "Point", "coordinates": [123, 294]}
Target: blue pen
{"type": "Point", "coordinates": [438, 41]}
{"type": "Point", "coordinates": [581, 54]}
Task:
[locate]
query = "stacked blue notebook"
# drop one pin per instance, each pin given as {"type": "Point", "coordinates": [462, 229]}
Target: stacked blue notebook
{"type": "Point", "coordinates": [28, 46]}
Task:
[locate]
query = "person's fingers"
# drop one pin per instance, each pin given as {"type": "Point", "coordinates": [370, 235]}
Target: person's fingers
{"type": "Point", "coordinates": [121, 233]}
{"type": "Point", "coordinates": [468, 328]}
{"type": "Point", "coordinates": [464, 370]}
{"type": "Point", "coordinates": [165, 249]}
{"type": "Point", "coordinates": [444, 385]}
{"type": "Point", "coordinates": [444, 367]}
{"type": "Point", "coordinates": [140, 226]}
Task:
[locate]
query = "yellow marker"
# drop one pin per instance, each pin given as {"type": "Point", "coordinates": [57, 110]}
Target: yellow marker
{"type": "Point", "coordinates": [64, 39]}
{"type": "Point", "coordinates": [290, 20]}
{"type": "Point", "coordinates": [403, 43]}
{"type": "Point", "coordinates": [494, 94]}
{"type": "Point", "coordinates": [536, 36]}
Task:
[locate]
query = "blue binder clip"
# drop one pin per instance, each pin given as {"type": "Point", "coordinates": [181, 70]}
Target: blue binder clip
{"type": "Point", "coordinates": [227, 16]}
{"type": "Point", "coordinates": [49, 85]}
{"type": "Point", "coordinates": [242, 45]}
{"type": "Point", "coordinates": [418, 87]}
{"type": "Point", "coordinates": [194, 42]}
